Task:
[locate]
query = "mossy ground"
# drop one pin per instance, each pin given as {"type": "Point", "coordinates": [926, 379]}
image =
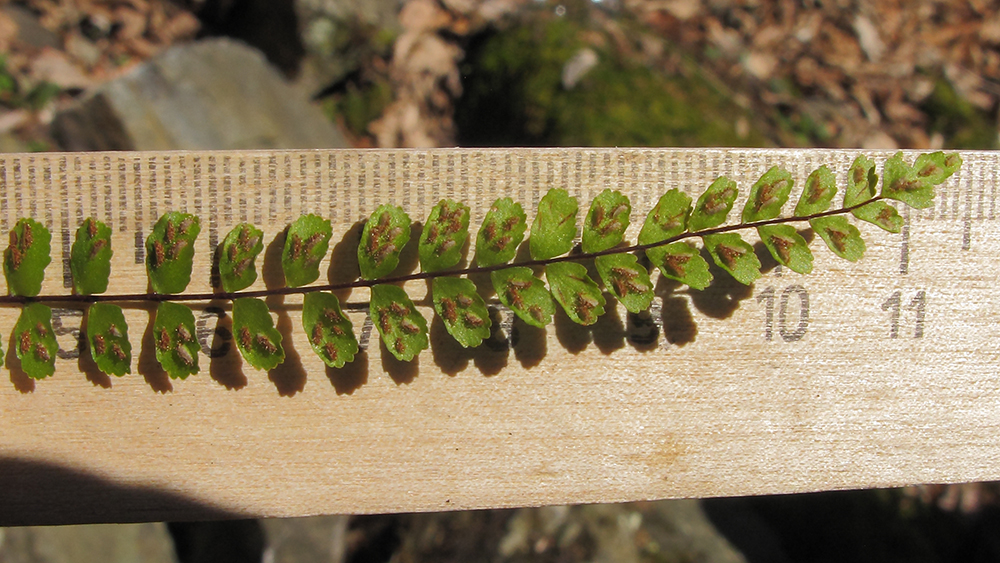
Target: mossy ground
{"type": "Point", "coordinates": [963, 125]}
{"type": "Point", "coordinates": [514, 94]}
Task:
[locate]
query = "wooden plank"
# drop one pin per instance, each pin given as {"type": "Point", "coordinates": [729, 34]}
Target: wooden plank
{"type": "Point", "coordinates": [788, 386]}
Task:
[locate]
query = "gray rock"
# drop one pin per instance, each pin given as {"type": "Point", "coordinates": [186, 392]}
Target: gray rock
{"type": "Point", "coordinates": [215, 94]}
{"type": "Point", "coordinates": [106, 543]}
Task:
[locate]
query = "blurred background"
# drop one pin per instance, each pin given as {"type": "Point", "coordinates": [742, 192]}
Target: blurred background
{"type": "Point", "coordinates": [243, 74]}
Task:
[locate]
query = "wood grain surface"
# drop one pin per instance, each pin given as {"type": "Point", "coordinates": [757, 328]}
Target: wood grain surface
{"type": "Point", "coordinates": [795, 384]}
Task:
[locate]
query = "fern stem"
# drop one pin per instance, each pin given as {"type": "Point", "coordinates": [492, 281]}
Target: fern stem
{"type": "Point", "coordinates": [224, 296]}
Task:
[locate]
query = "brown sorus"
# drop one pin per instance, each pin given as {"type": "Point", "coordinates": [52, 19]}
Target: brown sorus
{"type": "Point", "coordinates": [598, 216]}
{"type": "Point", "coordinates": [185, 355]}
{"type": "Point", "coordinates": [383, 322]}
{"type": "Point", "coordinates": [99, 245]}
{"type": "Point", "coordinates": [331, 351]}
{"type": "Point", "coordinates": [838, 238]}
{"type": "Point", "coordinates": [445, 246]}
{"type": "Point", "coordinates": [729, 254]}
{"type": "Point", "coordinates": [242, 266]}
{"type": "Point", "coordinates": [266, 344]}
{"type": "Point", "coordinates": [163, 339]}
{"type": "Point", "coordinates": [783, 246]}
{"type": "Point", "coordinates": [176, 248]}
{"type": "Point", "coordinates": [448, 310]}
{"type": "Point", "coordinates": [473, 320]}
{"type": "Point", "coordinates": [296, 250]}
{"type": "Point", "coordinates": [676, 263]}
{"type": "Point", "coordinates": [536, 313]}
{"type": "Point", "coordinates": [41, 352]}
{"type": "Point", "coordinates": [515, 297]}
{"type": "Point", "coordinates": [246, 339]}
{"type": "Point", "coordinates": [15, 257]}
{"type": "Point", "coordinates": [158, 254]}
{"type": "Point", "coordinates": [490, 230]}
{"type": "Point", "coordinates": [312, 241]}
{"type": "Point", "coordinates": [183, 335]}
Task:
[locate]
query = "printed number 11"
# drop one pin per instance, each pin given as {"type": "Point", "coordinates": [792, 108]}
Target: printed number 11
{"type": "Point", "coordinates": [918, 304]}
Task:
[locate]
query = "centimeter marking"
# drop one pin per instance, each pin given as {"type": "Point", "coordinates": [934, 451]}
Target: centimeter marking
{"type": "Point", "coordinates": [141, 186]}
{"type": "Point", "coordinates": [130, 191]}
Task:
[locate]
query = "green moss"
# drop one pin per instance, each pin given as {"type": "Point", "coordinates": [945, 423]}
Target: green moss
{"type": "Point", "coordinates": [963, 125]}
{"type": "Point", "coordinates": [14, 94]}
{"type": "Point", "coordinates": [514, 96]}
{"type": "Point", "coordinates": [359, 105]}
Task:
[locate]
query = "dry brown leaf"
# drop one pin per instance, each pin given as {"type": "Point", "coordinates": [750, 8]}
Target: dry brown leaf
{"type": "Point", "coordinates": [54, 66]}
{"type": "Point", "coordinates": [8, 32]}
{"type": "Point", "coordinates": [182, 25]}
{"type": "Point", "coordinates": [132, 24]}
{"type": "Point", "coordinates": [423, 15]}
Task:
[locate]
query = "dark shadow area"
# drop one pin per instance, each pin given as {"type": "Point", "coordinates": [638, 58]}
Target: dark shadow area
{"type": "Point", "coordinates": [289, 377]}
{"type": "Point", "coordinates": [860, 526]}
{"type": "Point", "coordinates": [498, 345]}
{"type": "Point", "coordinates": [609, 330]}
{"type": "Point", "coordinates": [454, 537]}
{"type": "Point", "coordinates": [271, 272]}
{"type": "Point", "coordinates": [344, 259]}
{"type": "Point", "coordinates": [269, 25]}
{"type": "Point", "coordinates": [383, 536]}
{"type": "Point", "coordinates": [351, 377]}
{"type": "Point", "coordinates": [767, 262]}
{"type": "Point", "coordinates": [214, 275]}
{"type": "Point", "coordinates": [85, 361]}
{"type": "Point", "coordinates": [39, 493]}
{"type": "Point", "coordinates": [643, 332]}
{"type": "Point", "coordinates": [678, 323]}
{"type": "Point", "coordinates": [22, 382]}
{"type": "Point", "coordinates": [529, 343]}
{"type": "Point", "coordinates": [235, 541]}
{"type": "Point", "coordinates": [722, 297]}
{"type": "Point", "coordinates": [574, 338]}
{"type": "Point", "coordinates": [86, 364]}
{"type": "Point", "coordinates": [409, 258]}
{"type": "Point", "coordinates": [226, 367]}
{"type": "Point", "coordinates": [403, 373]}
{"type": "Point", "coordinates": [451, 357]}
{"type": "Point", "coordinates": [448, 354]}
{"type": "Point", "coordinates": [150, 369]}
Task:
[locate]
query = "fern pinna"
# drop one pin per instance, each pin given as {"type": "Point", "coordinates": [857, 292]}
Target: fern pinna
{"type": "Point", "coordinates": [556, 277]}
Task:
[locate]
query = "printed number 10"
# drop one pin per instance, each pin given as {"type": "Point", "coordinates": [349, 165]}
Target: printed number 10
{"type": "Point", "coordinates": [768, 297]}
{"type": "Point", "coordinates": [918, 304]}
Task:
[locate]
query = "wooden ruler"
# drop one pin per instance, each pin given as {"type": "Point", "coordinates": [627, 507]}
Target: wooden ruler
{"type": "Point", "coordinates": [879, 373]}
